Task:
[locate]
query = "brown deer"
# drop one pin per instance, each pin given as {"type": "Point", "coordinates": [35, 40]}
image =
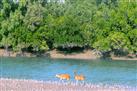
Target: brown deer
{"type": "Point", "coordinates": [63, 76]}
{"type": "Point", "coordinates": [79, 77]}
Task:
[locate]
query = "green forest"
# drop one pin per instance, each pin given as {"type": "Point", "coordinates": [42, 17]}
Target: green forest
{"type": "Point", "coordinates": [41, 25]}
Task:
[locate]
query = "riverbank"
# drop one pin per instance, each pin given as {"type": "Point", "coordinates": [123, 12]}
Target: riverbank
{"type": "Point", "coordinates": [3, 53]}
{"type": "Point", "coordinates": [55, 54]}
{"type": "Point", "coordinates": [123, 58]}
{"type": "Point", "coordinates": [86, 54]}
{"type": "Point", "coordinates": [33, 85]}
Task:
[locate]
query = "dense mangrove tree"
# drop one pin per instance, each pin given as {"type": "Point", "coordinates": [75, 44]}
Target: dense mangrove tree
{"type": "Point", "coordinates": [40, 25]}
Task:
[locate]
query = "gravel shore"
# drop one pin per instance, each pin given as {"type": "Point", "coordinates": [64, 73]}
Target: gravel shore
{"type": "Point", "coordinates": [32, 85]}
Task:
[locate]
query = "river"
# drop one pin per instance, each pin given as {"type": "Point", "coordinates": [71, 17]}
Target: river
{"type": "Point", "coordinates": [102, 71]}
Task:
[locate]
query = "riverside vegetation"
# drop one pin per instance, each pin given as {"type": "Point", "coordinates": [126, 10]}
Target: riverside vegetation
{"type": "Point", "coordinates": [108, 26]}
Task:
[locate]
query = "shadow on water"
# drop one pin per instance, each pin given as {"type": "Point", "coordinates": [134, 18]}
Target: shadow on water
{"type": "Point", "coordinates": [102, 71]}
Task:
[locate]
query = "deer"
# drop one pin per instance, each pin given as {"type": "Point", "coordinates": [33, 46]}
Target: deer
{"type": "Point", "coordinates": [78, 77]}
{"type": "Point", "coordinates": [63, 76]}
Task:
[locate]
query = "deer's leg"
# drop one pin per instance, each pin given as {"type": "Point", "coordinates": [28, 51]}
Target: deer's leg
{"type": "Point", "coordinates": [77, 82]}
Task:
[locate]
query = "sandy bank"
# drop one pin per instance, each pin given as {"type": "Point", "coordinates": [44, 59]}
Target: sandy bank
{"type": "Point", "coordinates": [15, 54]}
{"type": "Point", "coordinates": [86, 54]}
{"type": "Point", "coordinates": [123, 58]}
{"type": "Point", "coordinates": [31, 85]}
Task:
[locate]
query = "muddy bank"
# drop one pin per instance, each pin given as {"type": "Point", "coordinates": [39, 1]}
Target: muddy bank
{"type": "Point", "coordinates": [32, 85]}
{"type": "Point", "coordinates": [86, 55]}
{"type": "Point", "coordinates": [123, 58]}
{"type": "Point", "coordinates": [3, 53]}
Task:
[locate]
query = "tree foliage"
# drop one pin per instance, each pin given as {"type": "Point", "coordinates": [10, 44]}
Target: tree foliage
{"type": "Point", "coordinates": [39, 25]}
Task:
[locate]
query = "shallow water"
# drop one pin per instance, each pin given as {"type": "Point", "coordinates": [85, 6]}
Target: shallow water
{"type": "Point", "coordinates": [96, 71]}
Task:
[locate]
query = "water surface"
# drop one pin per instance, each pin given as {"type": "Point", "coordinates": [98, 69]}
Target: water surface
{"type": "Point", "coordinates": [95, 71]}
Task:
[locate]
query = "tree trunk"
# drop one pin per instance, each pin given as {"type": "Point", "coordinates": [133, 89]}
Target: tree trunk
{"type": "Point", "coordinates": [6, 51]}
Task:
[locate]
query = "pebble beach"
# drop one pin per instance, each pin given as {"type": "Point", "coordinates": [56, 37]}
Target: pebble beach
{"type": "Point", "coordinates": [34, 85]}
